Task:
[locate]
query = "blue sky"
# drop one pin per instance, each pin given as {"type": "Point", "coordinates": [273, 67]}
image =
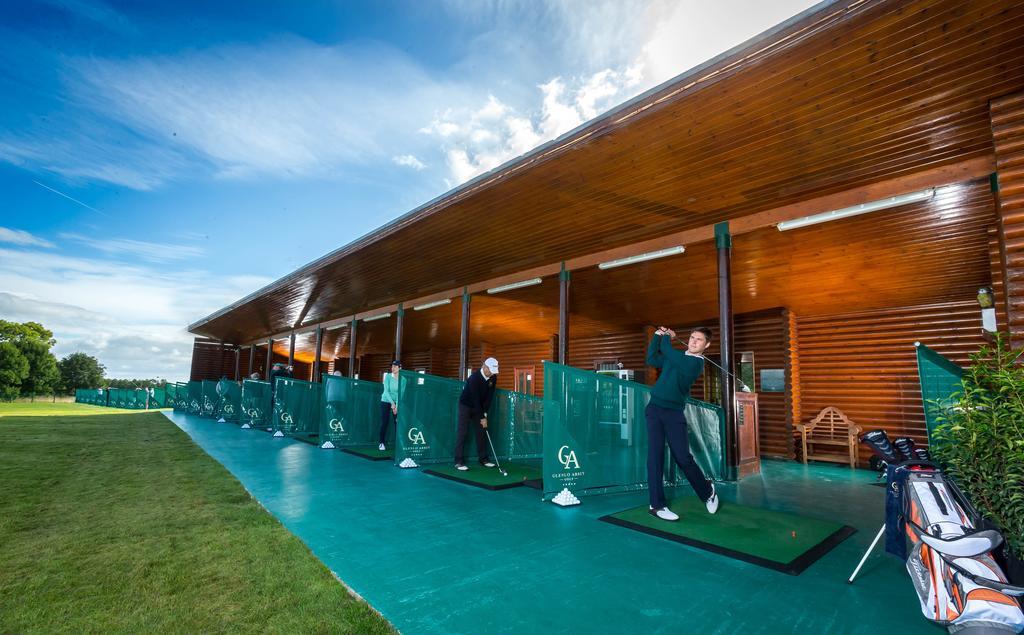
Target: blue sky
{"type": "Point", "coordinates": [152, 154]}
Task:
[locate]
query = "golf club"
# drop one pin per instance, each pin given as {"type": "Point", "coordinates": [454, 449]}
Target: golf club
{"type": "Point", "coordinates": [743, 386]}
{"type": "Point", "coordinates": [494, 454]}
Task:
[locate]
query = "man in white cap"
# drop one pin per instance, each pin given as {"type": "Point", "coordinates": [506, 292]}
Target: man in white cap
{"type": "Point", "coordinates": [474, 402]}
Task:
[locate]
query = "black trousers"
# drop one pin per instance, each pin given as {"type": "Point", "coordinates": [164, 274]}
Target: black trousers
{"type": "Point", "coordinates": [663, 424]}
{"type": "Point", "coordinates": [466, 421]}
{"type": "Point", "coordinates": [386, 417]}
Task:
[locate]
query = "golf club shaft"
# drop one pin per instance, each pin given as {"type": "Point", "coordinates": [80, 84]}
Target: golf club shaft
{"type": "Point", "coordinates": [493, 453]}
{"type": "Point", "coordinates": [710, 361]}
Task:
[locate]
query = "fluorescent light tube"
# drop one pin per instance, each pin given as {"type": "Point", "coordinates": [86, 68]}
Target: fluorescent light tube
{"type": "Point", "coordinates": [863, 208]}
{"type": "Point", "coordinates": [652, 255]}
{"type": "Point", "coordinates": [515, 285]}
{"type": "Point", "coordinates": [430, 305]}
{"type": "Point", "coordinates": [382, 316]}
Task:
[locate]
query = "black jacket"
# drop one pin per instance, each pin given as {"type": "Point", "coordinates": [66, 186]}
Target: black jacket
{"type": "Point", "coordinates": [477, 393]}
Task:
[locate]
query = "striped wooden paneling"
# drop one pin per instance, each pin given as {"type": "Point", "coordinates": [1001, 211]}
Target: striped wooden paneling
{"type": "Point", "coordinates": [629, 349]}
{"type": "Point", "coordinates": [211, 360]}
{"type": "Point", "coordinates": [524, 355]}
{"type": "Point", "coordinates": [1008, 138]}
{"type": "Point", "coordinates": [793, 393]}
{"type": "Point", "coordinates": [995, 260]}
{"type": "Point", "coordinates": [765, 334]}
{"type": "Point", "coordinates": [865, 363]}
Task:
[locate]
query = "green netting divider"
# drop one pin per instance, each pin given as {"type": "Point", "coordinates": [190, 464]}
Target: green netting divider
{"type": "Point", "coordinates": [181, 401]}
{"type": "Point", "coordinates": [297, 408]}
{"type": "Point", "coordinates": [229, 401]}
{"type": "Point", "coordinates": [158, 399]}
{"type": "Point", "coordinates": [941, 381]}
{"type": "Point", "coordinates": [195, 397]}
{"type": "Point", "coordinates": [256, 408]}
{"type": "Point", "coordinates": [350, 412]}
{"type": "Point", "coordinates": [595, 434]}
{"type": "Point", "coordinates": [428, 410]}
{"type": "Point", "coordinates": [210, 398]}
{"type": "Point", "coordinates": [170, 396]}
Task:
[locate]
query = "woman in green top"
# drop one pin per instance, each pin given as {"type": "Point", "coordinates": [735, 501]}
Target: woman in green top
{"type": "Point", "coordinates": [389, 402]}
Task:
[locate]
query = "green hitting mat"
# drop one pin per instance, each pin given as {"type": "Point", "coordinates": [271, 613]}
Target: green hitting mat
{"type": "Point", "coordinates": [370, 452]}
{"type": "Point", "coordinates": [488, 477]}
{"type": "Point", "coordinates": [776, 540]}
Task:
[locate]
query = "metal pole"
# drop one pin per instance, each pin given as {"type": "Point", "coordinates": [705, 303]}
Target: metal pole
{"type": "Point", "coordinates": [291, 348]}
{"type": "Point", "coordinates": [398, 332]}
{"type": "Point", "coordinates": [352, 350]}
{"type": "Point", "coordinates": [563, 316]}
{"type": "Point", "coordinates": [723, 242]}
{"type": "Point", "coordinates": [316, 355]}
{"type": "Point", "coordinates": [238, 363]}
{"type": "Point", "coordinates": [270, 359]}
{"type": "Point", "coordinates": [252, 358]}
{"type": "Point", "coordinates": [464, 336]}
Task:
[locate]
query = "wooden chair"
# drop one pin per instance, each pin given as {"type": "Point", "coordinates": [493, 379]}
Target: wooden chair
{"type": "Point", "coordinates": [830, 427]}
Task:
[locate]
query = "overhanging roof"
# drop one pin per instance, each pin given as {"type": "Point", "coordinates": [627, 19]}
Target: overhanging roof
{"type": "Point", "coordinates": [843, 95]}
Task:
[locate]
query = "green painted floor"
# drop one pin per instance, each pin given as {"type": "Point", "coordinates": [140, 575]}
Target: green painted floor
{"type": "Point", "coordinates": [436, 557]}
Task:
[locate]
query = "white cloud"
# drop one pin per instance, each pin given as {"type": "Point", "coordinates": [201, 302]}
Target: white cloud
{"type": "Point", "coordinates": [410, 161]}
{"type": "Point", "coordinates": [152, 252]}
{"type": "Point", "coordinates": [21, 237]}
{"type": "Point", "coordinates": [115, 311]}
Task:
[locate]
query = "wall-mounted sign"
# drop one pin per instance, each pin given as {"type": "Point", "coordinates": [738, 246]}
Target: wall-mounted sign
{"type": "Point", "coordinates": [773, 380]}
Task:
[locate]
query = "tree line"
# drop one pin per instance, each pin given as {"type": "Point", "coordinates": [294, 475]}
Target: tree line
{"type": "Point", "coordinates": [27, 367]}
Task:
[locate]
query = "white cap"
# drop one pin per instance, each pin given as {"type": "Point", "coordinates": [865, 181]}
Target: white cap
{"type": "Point", "coordinates": [491, 364]}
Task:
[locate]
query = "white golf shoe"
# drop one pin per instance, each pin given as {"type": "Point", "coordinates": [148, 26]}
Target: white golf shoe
{"type": "Point", "coordinates": [381, 447]}
{"type": "Point", "coordinates": [488, 463]}
{"type": "Point", "coordinates": [460, 467]}
{"type": "Point", "coordinates": [664, 513]}
{"type": "Point", "coordinates": [712, 502]}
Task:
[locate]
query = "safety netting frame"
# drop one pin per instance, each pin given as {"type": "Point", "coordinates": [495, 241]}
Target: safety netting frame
{"type": "Point", "coordinates": [350, 412]}
{"type": "Point", "coordinates": [428, 410]}
{"type": "Point", "coordinates": [941, 382]}
{"type": "Point", "coordinates": [297, 408]}
{"type": "Point", "coordinates": [257, 408]}
{"type": "Point", "coordinates": [588, 455]}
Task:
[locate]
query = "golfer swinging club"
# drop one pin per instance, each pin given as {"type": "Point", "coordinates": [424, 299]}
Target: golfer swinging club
{"type": "Point", "coordinates": [666, 417]}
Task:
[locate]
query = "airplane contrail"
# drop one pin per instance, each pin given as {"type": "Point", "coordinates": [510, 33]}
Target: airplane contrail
{"type": "Point", "coordinates": [75, 200]}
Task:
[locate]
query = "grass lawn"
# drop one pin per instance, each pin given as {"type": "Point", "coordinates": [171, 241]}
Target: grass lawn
{"type": "Point", "coordinates": [119, 523]}
{"type": "Point", "coordinates": [46, 408]}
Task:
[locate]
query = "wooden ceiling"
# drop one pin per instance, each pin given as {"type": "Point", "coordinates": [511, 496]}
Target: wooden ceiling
{"type": "Point", "coordinates": [923, 253]}
{"type": "Point", "coordinates": [855, 93]}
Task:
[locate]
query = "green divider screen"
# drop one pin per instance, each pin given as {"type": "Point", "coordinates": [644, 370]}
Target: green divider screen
{"type": "Point", "coordinates": [210, 398]}
{"type": "Point", "coordinates": [79, 395]}
{"type": "Point", "coordinates": [350, 415]}
{"type": "Point", "coordinates": [135, 399]}
{"type": "Point", "coordinates": [517, 425]}
{"type": "Point", "coordinates": [428, 409]}
{"type": "Point", "coordinates": [170, 396]}
{"type": "Point", "coordinates": [941, 379]}
{"type": "Point", "coordinates": [195, 397]}
{"type": "Point", "coordinates": [256, 404]}
{"type": "Point", "coordinates": [181, 397]}
{"type": "Point", "coordinates": [297, 407]}
{"type": "Point", "coordinates": [595, 434]}
{"type": "Point", "coordinates": [229, 400]}
{"type": "Point", "coordinates": [158, 398]}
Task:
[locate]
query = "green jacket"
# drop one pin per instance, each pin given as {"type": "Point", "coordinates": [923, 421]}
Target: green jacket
{"type": "Point", "coordinates": [678, 372]}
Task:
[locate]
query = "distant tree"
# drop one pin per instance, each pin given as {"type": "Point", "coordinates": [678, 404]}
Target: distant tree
{"type": "Point", "coordinates": [13, 370]}
{"type": "Point", "coordinates": [134, 383]}
{"type": "Point", "coordinates": [20, 331]}
{"type": "Point", "coordinates": [43, 376]}
{"type": "Point", "coordinates": [79, 370]}
{"type": "Point", "coordinates": [33, 341]}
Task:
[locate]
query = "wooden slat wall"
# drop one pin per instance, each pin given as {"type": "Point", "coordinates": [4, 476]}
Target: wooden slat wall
{"type": "Point", "coordinates": [865, 363]}
{"type": "Point", "coordinates": [629, 349]}
{"type": "Point", "coordinates": [792, 378]}
{"type": "Point", "coordinates": [211, 360]}
{"type": "Point", "coordinates": [523, 355]}
{"type": "Point", "coordinates": [1008, 137]}
{"type": "Point", "coordinates": [766, 333]}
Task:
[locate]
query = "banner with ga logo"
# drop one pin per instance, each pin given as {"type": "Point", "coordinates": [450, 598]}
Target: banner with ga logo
{"type": "Point", "coordinates": [595, 434]}
{"type": "Point", "coordinates": [428, 410]}
{"type": "Point", "coordinates": [351, 412]}
{"type": "Point", "coordinates": [255, 404]}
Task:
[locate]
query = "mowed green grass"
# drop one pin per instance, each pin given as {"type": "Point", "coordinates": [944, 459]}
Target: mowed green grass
{"type": "Point", "coordinates": [44, 408]}
{"type": "Point", "coordinates": [119, 523]}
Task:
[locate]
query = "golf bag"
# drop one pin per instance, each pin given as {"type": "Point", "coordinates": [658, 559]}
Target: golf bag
{"type": "Point", "coordinates": [950, 560]}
